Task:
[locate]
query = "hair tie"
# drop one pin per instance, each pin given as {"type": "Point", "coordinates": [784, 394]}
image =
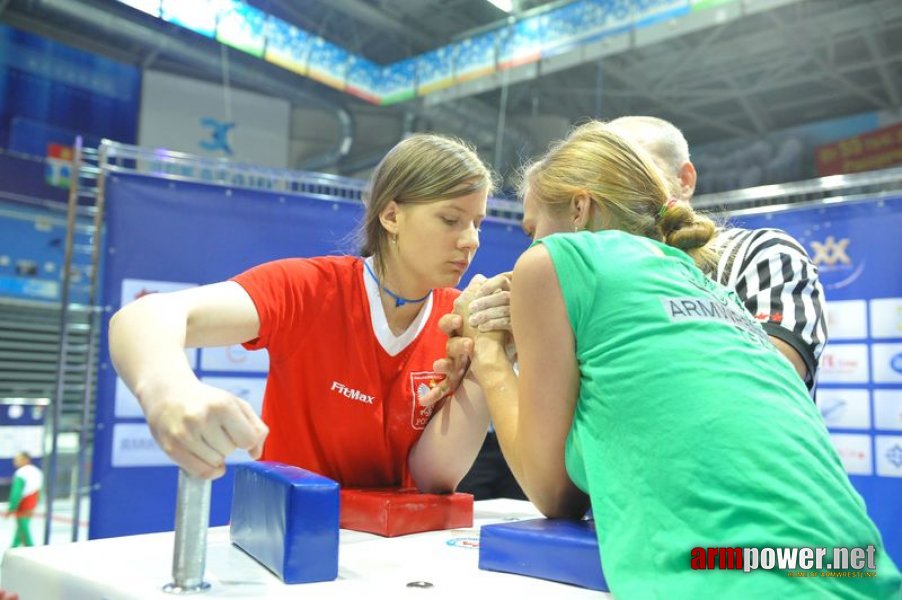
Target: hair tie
{"type": "Point", "coordinates": [666, 206]}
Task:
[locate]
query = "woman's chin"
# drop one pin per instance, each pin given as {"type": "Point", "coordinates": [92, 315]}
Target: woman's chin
{"type": "Point", "coordinates": [449, 280]}
{"type": "Point", "coordinates": [454, 280]}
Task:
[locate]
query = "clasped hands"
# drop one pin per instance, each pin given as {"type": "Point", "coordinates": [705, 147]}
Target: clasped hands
{"type": "Point", "coordinates": [481, 317]}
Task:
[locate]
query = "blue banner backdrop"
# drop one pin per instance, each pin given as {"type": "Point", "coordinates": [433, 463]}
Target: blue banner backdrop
{"type": "Point", "coordinates": [856, 246]}
{"type": "Point", "coordinates": [164, 235]}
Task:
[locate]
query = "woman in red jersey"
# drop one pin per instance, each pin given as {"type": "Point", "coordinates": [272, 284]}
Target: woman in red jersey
{"type": "Point", "coordinates": [351, 341]}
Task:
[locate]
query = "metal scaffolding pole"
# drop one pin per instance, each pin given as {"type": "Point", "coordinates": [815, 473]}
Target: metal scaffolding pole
{"type": "Point", "coordinates": [52, 432]}
{"type": "Point", "coordinates": [93, 324]}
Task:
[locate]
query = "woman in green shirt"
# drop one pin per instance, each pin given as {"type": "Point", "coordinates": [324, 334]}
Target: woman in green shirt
{"type": "Point", "coordinates": [649, 391]}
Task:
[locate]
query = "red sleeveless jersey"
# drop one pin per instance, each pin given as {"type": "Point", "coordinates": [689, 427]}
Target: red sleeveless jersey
{"type": "Point", "coordinates": [336, 402]}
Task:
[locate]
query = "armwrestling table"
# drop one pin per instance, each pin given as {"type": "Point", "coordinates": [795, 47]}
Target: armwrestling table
{"type": "Point", "coordinates": [431, 565]}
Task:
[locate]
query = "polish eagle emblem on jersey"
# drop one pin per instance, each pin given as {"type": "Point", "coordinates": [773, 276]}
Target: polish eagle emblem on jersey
{"type": "Point", "coordinates": [421, 382]}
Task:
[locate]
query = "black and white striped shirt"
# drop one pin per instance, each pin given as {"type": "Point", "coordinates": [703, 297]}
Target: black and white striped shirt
{"type": "Point", "coordinates": [776, 280]}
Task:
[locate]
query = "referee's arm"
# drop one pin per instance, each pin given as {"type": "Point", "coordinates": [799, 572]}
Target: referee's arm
{"type": "Point", "coordinates": [794, 357]}
{"type": "Point", "coordinates": [779, 285]}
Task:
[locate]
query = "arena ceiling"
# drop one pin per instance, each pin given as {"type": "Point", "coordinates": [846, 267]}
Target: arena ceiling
{"type": "Point", "coordinates": [801, 61]}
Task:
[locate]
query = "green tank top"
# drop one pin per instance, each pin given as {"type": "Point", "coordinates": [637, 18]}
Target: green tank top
{"type": "Point", "coordinates": [692, 431]}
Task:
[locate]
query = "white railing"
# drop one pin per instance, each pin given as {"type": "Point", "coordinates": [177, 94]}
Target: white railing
{"type": "Point", "coordinates": [179, 166]}
{"type": "Point", "coordinates": [167, 164]}
{"type": "Point", "coordinates": [871, 185]}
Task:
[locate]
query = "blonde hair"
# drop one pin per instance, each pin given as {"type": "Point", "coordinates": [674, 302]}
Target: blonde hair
{"type": "Point", "coordinates": [422, 168]}
{"type": "Point", "coordinates": [622, 179]}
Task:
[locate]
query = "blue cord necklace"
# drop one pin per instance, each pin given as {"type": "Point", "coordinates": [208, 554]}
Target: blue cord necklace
{"type": "Point", "coordinates": [399, 300]}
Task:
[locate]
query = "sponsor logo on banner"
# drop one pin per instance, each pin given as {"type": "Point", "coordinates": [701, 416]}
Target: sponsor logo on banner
{"type": "Point", "coordinates": [831, 252]}
{"type": "Point", "coordinates": [887, 409]}
{"type": "Point", "coordinates": [420, 384]}
{"type": "Point", "coordinates": [877, 149]}
{"type": "Point", "coordinates": [855, 452]}
{"type": "Point", "coordinates": [889, 455]}
{"type": "Point", "coordinates": [886, 318]}
{"type": "Point", "coordinates": [847, 319]}
{"type": "Point", "coordinates": [845, 409]}
{"type": "Point", "coordinates": [844, 363]}
{"type": "Point", "coordinates": [134, 446]}
{"type": "Point", "coordinates": [218, 135]}
{"type": "Point", "coordinates": [835, 257]}
{"type": "Point", "coordinates": [887, 360]}
{"type": "Point", "coordinates": [185, 115]}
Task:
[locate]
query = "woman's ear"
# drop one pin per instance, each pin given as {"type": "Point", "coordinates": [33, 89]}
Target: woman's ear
{"type": "Point", "coordinates": [389, 217]}
{"type": "Point", "coordinates": [581, 210]}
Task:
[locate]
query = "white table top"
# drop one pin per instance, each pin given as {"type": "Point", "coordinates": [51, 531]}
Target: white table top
{"type": "Point", "coordinates": [369, 566]}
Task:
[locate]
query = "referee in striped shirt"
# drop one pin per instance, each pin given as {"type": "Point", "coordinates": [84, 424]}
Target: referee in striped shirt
{"type": "Point", "coordinates": [767, 268]}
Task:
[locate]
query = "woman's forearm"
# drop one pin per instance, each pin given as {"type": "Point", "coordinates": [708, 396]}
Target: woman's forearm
{"type": "Point", "coordinates": [499, 383]}
{"type": "Point", "coordinates": [451, 441]}
{"type": "Point", "coordinates": [196, 424]}
{"type": "Point", "coordinates": [530, 462]}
